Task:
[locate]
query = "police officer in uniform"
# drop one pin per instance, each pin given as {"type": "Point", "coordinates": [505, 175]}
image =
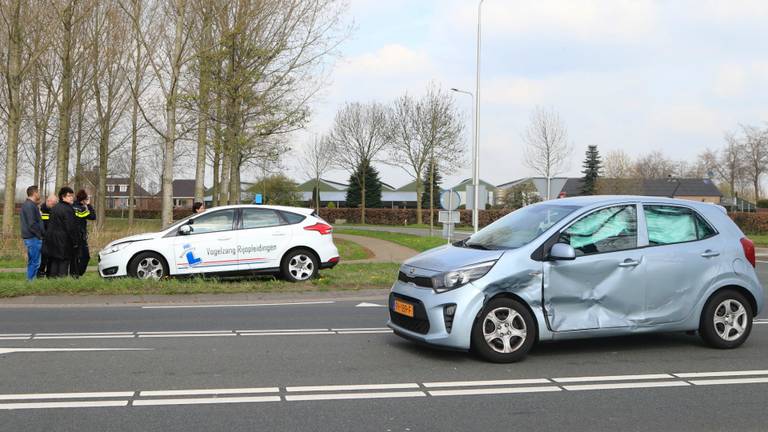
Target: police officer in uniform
{"type": "Point", "coordinates": [45, 215]}
{"type": "Point", "coordinates": [62, 239]}
{"type": "Point", "coordinates": [83, 213]}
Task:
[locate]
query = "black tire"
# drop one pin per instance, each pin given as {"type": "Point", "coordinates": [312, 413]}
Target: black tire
{"type": "Point", "coordinates": [518, 345]}
{"type": "Point", "coordinates": [137, 267]}
{"type": "Point", "coordinates": [299, 265]}
{"type": "Point", "coordinates": [729, 323]}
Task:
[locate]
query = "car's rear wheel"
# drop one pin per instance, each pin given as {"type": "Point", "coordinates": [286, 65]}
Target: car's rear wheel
{"type": "Point", "coordinates": [726, 320]}
{"type": "Point", "coordinates": [299, 265]}
{"type": "Point", "coordinates": [148, 265]}
{"type": "Point", "coordinates": [504, 332]}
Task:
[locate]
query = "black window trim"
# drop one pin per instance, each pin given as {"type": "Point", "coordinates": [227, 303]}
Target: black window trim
{"type": "Point", "coordinates": [210, 212]}
{"type": "Point", "coordinates": [690, 209]}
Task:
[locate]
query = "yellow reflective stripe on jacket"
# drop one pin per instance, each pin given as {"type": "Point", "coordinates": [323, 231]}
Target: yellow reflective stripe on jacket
{"type": "Point", "coordinates": [82, 214]}
{"type": "Point", "coordinates": [45, 216]}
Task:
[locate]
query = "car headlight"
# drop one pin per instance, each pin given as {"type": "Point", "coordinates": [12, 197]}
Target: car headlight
{"type": "Point", "coordinates": [453, 279]}
{"type": "Point", "coordinates": [115, 248]}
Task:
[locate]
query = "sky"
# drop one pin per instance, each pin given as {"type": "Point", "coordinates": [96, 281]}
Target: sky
{"type": "Point", "coordinates": [639, 76]}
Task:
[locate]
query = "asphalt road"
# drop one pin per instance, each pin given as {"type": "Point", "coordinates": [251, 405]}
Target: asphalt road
{"type": "Point", "coordinates": [332, 366]}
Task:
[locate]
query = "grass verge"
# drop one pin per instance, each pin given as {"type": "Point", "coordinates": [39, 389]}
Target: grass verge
{"type": "Point", "coordinates": [761, 240]}
{"type": "Point", "coordinates": [414, 242]}
{"type": "Point", "coordinates": [348, 277]}
{"type": "Point", "coordinates": [351, 251]}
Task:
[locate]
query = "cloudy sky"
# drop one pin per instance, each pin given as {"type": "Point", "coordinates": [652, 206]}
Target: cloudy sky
{"type": "Point", "coordinates": [633, 75]}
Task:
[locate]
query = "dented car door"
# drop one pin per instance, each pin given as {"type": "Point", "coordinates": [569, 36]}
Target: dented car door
{"type": "Point", "coordinates": [604, 286]}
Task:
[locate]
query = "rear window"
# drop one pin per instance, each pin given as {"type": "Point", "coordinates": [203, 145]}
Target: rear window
{"type": "Point", "coordinates": [292, 218]}
{"type": "Point", "coordinates": [671, 224]}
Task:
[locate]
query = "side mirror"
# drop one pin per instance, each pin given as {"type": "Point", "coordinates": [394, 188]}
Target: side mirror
{"type": "Point", "coordinates": [185, 229]}
{"type": "Point", "coordinates": [562, 252]}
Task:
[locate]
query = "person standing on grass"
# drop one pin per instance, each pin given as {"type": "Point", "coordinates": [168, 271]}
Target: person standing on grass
{"type": "Point", "coordinates": [45, 215]}
{"type": "Point", "coordinates": [83, 213]}
{"type": "Point", "coordinates": [32, 230]}
{"type": "Point", "coordinates": [63, 236]}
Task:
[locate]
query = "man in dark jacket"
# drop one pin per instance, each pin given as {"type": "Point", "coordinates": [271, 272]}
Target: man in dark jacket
{"type": "Point", "coordinates": [63, 237]}
{"type": "Point", "coordinates": [83, 213]}
{"type": "Point", "coordinates": [45, 215]}
{"type": "Point", "coordinates": [32, 230]}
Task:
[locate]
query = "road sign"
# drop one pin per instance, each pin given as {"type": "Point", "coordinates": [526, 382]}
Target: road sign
{"type": "Point", "coordinates": [448, 217]}
{"type": "Point", "coordinates": [450, 200]}
{"type": "Point", "coordinates": [257, 199]}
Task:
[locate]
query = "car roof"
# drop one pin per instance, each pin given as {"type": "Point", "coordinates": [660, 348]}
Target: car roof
{"type": "Point", "coordinates": [596, 200]}
{"type": "Point", "coordinates": [301, 210]}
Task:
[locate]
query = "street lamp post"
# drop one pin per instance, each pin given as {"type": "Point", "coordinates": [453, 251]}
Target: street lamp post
{"type": "Point", "coordinates": [476, 124]}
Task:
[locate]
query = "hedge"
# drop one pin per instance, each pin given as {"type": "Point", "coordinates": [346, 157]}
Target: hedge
{"type": "Point", "coordinates": [385, 216]}
{"type": "Point", "coordinates": [751, 223]}
{"type": "Point", "coordinates": [147, 214]}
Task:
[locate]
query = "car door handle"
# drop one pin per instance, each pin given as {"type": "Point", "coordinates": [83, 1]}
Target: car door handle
{"type": "Point", "coordinates": [710, 253]}
{"type": "Point", "coordinates": [629, 263]}
{"type": "Point", "coordinates": [224, 238]}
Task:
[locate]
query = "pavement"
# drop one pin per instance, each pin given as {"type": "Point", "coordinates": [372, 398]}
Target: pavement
{"type": "Point", "coordinates": [383, 251]}
{"type": "Point", "coordinates": [423, 232]}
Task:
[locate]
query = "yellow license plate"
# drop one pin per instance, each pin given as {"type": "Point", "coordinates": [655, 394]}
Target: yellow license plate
{"type": "Point", "coordinates": [404, 308]}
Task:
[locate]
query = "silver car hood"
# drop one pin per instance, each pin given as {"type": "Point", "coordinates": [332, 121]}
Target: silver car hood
{"type": "Point", "coordinates": [449, 257]}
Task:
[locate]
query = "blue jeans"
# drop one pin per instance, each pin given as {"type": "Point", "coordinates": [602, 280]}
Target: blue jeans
{"type": "Point", "coordinates": [34, 246]}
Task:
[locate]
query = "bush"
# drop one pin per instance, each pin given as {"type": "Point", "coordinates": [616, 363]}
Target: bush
{"type": "Point", "coordinates": [402, 216]}
{"type": "Point", "coordinates": [763, 203]}
{"type": "Point", "coordinates": [752, 223]}
{"type": "Point", "coordinates": [178, 213]}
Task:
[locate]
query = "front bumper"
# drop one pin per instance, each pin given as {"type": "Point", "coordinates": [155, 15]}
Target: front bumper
{"type": "Point", "coordinates": [429, 324]}
{"type": "Point", "coordinates": [112, 265]}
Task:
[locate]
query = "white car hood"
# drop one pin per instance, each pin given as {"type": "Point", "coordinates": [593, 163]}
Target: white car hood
{"type": "Point", "coordinates": [133, 238]}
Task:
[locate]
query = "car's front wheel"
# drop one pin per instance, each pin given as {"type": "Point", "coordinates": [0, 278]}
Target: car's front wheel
{"type": "Point", "coordinates": [504, 332]}
{"type": "Point", "coordinates": [299, 265]}
{"type": "Point", "coordinates": [148, 265]}
{"type": "Point", "coordinates": [726, 320]}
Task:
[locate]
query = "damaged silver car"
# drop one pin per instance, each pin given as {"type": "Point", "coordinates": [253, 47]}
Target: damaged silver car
{"type": "Point", "coordinates": [582, 267]}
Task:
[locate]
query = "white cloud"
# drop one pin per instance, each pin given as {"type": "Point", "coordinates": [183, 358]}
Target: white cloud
{"type": "Point", "coordinates": [393, 59]}
{"type": "Point", "coordinates": [690, 119]}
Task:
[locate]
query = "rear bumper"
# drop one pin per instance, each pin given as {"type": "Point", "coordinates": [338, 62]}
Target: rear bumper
{"type": "Point", "coordinates": [330, 263]}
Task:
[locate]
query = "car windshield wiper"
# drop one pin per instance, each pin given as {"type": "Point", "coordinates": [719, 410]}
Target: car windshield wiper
{"type": "Point", "coordinates": [477, 246]}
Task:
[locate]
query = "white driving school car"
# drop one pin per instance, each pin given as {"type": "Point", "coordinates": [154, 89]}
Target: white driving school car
{"type": "Point", "coordinates": [229, 240]}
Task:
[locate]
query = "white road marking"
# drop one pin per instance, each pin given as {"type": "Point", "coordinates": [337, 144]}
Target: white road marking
{"type": "Point", "coordinates": [73, 404]}
{"type": "Point", "coordinates": [208, 391]}
{"type": "Point", "coordinates": [197, 333]}
{"type": "Point", "coordinates": [720, 373]}
{"type": "Point", "coordinates": [487, 383]}
{"type": "Point", "coordinates": [614, 386]}
{"type": "Point", "coordinates": [289, 333]}
{"type": "Point", "coordinates": [612, 378]}
{"type": "Point", "coordinates": [730, 381]}
{"type": "Point", "coordinates": [38, 350]}
{"type": "Point", "coordinates": [365, 332]}
{"type": "Point", "coordinates": [86, 334]}
{"type": "Point", "coordinates": [87, 337]}
{"type": "Point", "coordinates": [282, 330]}
{"type": "Point", "coordinates": [91, 395]}
{"type": "Point", "coordinates": [215, 400]}
{"type": "Point", "coordinates": [236, 305]}
{"type": "Point", "coordinates": [179, 335]}
{"type": "Point", "coordinates": [367, 305]}
{"type": "Point", "coordinates": [183, 332]}
{"type": "Point", "coordinates": [14, 337]}
{"type": "Point", "coordinates": [342, 396]}
{"type": "Point", "coordinates": [497, 390]}
{"type": "Point", "coordinates": [359, 329]}
{"type": "Point", "coordinates": [351, 387]}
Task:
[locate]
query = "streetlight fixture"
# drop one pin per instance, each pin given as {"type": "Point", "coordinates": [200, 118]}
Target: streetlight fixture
{"type": "Point", "coordinates": [475, 160]}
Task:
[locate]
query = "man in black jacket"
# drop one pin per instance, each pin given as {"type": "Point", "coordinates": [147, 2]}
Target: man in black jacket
{"type": "Point", "coordinates": [63, 237]}
{"type": "Point", "coordinates": [83, 213]}
{"type": "Point", "coordinates": [45, 214]}
{"type": "Point", "coordinates": [32, 230]}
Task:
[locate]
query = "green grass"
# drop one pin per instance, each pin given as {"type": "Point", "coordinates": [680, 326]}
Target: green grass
{"type": "Point", "coordinates": [348, 277]}
{"type": "Point", "coordinates": [351, 251]}
{"type": "Point", "coordinates": [414, 242]}
{"type": "Point", "coordinates": [761, 240]}
{"type": "Point", "coordinates": [437, 227]}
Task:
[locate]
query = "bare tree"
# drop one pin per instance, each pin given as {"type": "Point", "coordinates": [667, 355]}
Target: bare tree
{"type": "Point", "coordinates": [205, 62]}
{"type": "Point", "coordinates": [653, 165]}
{"type": "Point", "coordinates": [358, 135]}
{"type": "Point", "coordinates": [728, 165]}
{"type": "Point", "coordinates": [617, 164]}
{"type": "Point", "coordinates": [316, 160]}
{"type": "Point", "coordinates": [755, 145]}
{"type": "Point", "coordinates": [547, 150]}
{"type": "Point", "coordinates": [424, 131]}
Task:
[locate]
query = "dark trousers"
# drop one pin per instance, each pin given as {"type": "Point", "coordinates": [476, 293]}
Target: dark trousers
{"type": "Point", "coordinates": [44, 263]}
{"type": "Point", "coordinates": [58, 268]}
{"type": "Point", "coordinates": [85, 258]}
{"type": "Point", "coordinates": [74, 264]}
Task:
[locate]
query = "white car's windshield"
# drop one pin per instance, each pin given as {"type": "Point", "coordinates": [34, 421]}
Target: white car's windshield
{"type": "Point", "coordinates": [519, 227]}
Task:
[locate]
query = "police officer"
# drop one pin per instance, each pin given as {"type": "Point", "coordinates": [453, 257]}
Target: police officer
{"type": "Point", "coordinates": [62, 239]}
{"type": "Point", "coordinates": [83, 213]}
{"type": "Point", "coordinates": [45, 215]}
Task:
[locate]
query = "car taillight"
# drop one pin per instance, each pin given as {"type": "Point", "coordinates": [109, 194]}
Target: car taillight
{"type": "Point", "coordinates": [322, 228]}
{"type": "Point", "coordinates": [749, 250]}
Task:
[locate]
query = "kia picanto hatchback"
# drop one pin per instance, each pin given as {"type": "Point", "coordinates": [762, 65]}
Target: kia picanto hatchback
{"type": "Point", "coordinates": [582, 267]}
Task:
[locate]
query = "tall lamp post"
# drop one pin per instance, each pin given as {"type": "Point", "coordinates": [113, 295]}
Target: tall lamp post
{"type": "Point", "coordinates": [475, 158]}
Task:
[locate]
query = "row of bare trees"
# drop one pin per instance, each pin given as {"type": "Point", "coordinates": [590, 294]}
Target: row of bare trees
{"type": "Point", "coordinates": [410, 133]}
{"type": "Point", "coordinates": [141, 87]}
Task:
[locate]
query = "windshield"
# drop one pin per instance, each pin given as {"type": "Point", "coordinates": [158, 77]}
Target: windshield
{"type": "Point", "coordinates": [180, 221]}
{"type": "Point", "coordinates": [519, 227]}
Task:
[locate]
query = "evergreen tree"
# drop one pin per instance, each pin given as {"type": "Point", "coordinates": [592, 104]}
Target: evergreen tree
{"type": "Point", "coordinates": [372, 187]}
{"type": "Point", "coordinates": [435, 185]}
{"type": "Point", "coordinates": [592, 170]}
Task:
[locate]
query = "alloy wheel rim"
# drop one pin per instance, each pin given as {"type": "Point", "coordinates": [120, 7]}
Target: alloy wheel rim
{"type": "Point", "coordinates": [149, 268]}
{"type": "Point", "coordinates": [730, 320]}
{"type": "Point", "coordinates": [301, 267]}
{"type": "Point", "coordinates": [504, 330]}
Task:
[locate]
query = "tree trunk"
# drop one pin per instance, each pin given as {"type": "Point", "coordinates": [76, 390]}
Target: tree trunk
{"type": "Point", "coordinates": [65, 108]}
{"type": "Point", "coordinates": [134, 126]}
{"type": "Point", "coordinates": [39, 133]}
{"type": "Point", "coordinates": [362, 197]}
{"type": "Point", "coordinates": [419, 194]}
{"type": "Point", "coordinates": [13, 79]}
{"type": "Point", "coordinates": [203, 106]}
{"type": "Point", "coordinates": [79, 146]}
